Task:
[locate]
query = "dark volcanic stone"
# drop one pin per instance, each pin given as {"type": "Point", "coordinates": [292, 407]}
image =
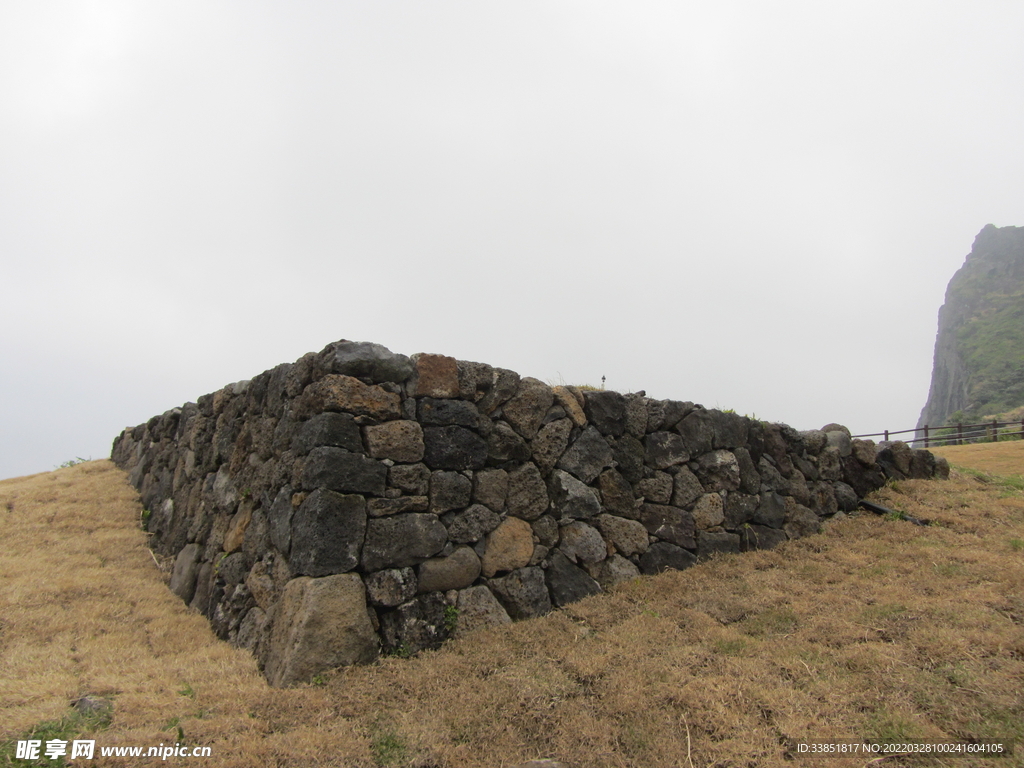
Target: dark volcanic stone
{"type": "Point", "coordinates": [587, 456]}
{"type": "Point", "coordinates": [527, 494]}
{"type": "Point", "coordinates": [416, 625]}
{"type": "Point", "coordinates": [616, 494]}
{"type": "Point", "coordinates": [606, 411]}
{"type": "Point", "coordinates": [739, 508]}
{"type": "Point", "coordinates": [281, 512]}
{"type": "Point", "coordinates": [449, 490]}
{"type": "Point", "coordinates": [568, 583]}
{"type": "Point", "coordinates": [390, 587]}
{"type": "Point", "coordinates": [336, 429]}
{"type": "Point", "coordinates": [628, 453]}
{"type": "Point", "coordinates": [669, 524]}
{"type": "Point", "coordinates": [504, 444]}
{"type": "Point", "coordinates": [709, 542]}
{"type": "Point", "coordinates": [863, 480]}
{"type": "Point", "coordinates": [453, 447]}
{"type": "Point", "coordinates": [365, 360]}
{"type": "Point", "coordinates": [402, 540]}
{"type": "Point", "coordinates": [771, 511]}
{"type": "Point", "coordinates": [846, 498]}
{"type": "Point", "coordinates": [760, 537]}
{"type": "Point", "coordinates": [522, 593]}
{"type": "Point", "coordinates": [327, 533]}
{"type": "Point", "coordinates": [338, 470]}
{"type": "Point", "coordinates": [697, 431]}
{"type": "Point", "coordinates": [443, 413]}
{"type": "Point", "coordinates": [730, 429]}
{"type": "Point", "coordinates": [664, 449]}
{"type": "Point", "coordinates": [750, 480]}
{"type": "Point", "coordinates": [570, 497]}
{"type": "Point", "coordinates": [662, 556]}
{"type": "Point", "coordinates": [473, 524]}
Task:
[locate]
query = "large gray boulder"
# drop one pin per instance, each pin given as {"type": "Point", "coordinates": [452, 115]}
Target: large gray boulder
{"type": "Point", "coordinates": [320, 624]}
{"type": "Point", "coordinates": [365, 360]}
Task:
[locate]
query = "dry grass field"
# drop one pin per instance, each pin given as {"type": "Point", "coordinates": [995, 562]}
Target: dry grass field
{"type": "Point", "coordinates": [876, 629]}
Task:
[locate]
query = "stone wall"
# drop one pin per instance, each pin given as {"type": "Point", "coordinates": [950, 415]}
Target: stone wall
{"type": "Point", "coordinates": [359, 501]}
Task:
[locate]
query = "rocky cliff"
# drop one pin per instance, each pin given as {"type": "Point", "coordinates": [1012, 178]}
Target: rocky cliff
{"type": "Point", "coordinates": [979, 351]}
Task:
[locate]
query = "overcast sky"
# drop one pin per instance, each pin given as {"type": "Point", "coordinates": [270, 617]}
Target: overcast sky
{"type": "Point", "coordinates": [749, 205]}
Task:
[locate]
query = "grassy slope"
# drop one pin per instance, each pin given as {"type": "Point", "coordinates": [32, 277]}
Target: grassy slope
{"type": "Point", "coordinates": [875, 629]}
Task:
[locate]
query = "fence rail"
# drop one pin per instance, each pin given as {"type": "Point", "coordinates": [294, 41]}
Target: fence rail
{"type": "Point", "coordinates": [959, 434]}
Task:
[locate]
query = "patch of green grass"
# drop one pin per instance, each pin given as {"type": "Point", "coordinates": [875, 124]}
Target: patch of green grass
{"type": "Point", "coordinates": [885, 727]}
{"type": "Point", "coordinates": [948, 569]}
{"type": "Point", "coordinates": [729, 647]}
{"type": "Point", "coordinates": [401, 651]}
{"type": "Point", "coordinates": [66, 729]}
{"type": "Point", "coordinates": [774, 621]}
{"type": "Point", "coordinates": [882, 612]}
{"type": "Point", "coordinates": [1017, 545]}
{"type": "Point", "coordinates": [1010, 482]}
{"type": "Point", "coordinates": [187, 691]}
{"type": "Point", "coordinates": [388, 748]}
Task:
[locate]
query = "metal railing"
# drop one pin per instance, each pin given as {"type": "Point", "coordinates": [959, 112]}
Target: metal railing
{"type": "Point", "coordinates": [959, 434]}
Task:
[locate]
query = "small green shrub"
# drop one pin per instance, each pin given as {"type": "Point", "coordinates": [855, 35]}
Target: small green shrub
{"type": "Point", "coordinates": [72, 462]}
{"type": "Point", "coordinates": [451, 618]}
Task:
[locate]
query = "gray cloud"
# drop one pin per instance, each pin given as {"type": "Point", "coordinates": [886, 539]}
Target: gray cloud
{"type": "Point", "coordinates": [754, 207]}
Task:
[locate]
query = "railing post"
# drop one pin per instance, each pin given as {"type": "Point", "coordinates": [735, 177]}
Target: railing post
{"type": "Point", "coordinates": [926, 433]}
{"type": "Point", "coordinates": [959, 434]}
{"type": "Point", "coordinates": [886, 435]}
{"type": "Point", "coordinates": [995, 431]}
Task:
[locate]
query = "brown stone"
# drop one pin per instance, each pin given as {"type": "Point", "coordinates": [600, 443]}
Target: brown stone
{"type": "Point", "coordinates": [708, 512]}
{"type": "Point", "coordinates": [239, 523]}
{"type": "Point", "coordinates": [434, 376]}
{"type": "Point", "coordinates": [396, 440]}
{"type": "Point", "coordinates": [582, 543]}
{"type": "Point", "coordinates": [509, 546]}
{"type": "Point", "coordinates": [336, 392]}
{"type": "Point", "coordinates": [572, 405]}
{"type": "Point", "coordinates": [629, 537]}
{"type": "Point", "coordinates": [384, 507]}
{"type": "Point", "coordinates": [864, 451]}
{"type": "Point", "coordinates": [550, 443]}
{"type": "Point", "coordinates": [526, 409]}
